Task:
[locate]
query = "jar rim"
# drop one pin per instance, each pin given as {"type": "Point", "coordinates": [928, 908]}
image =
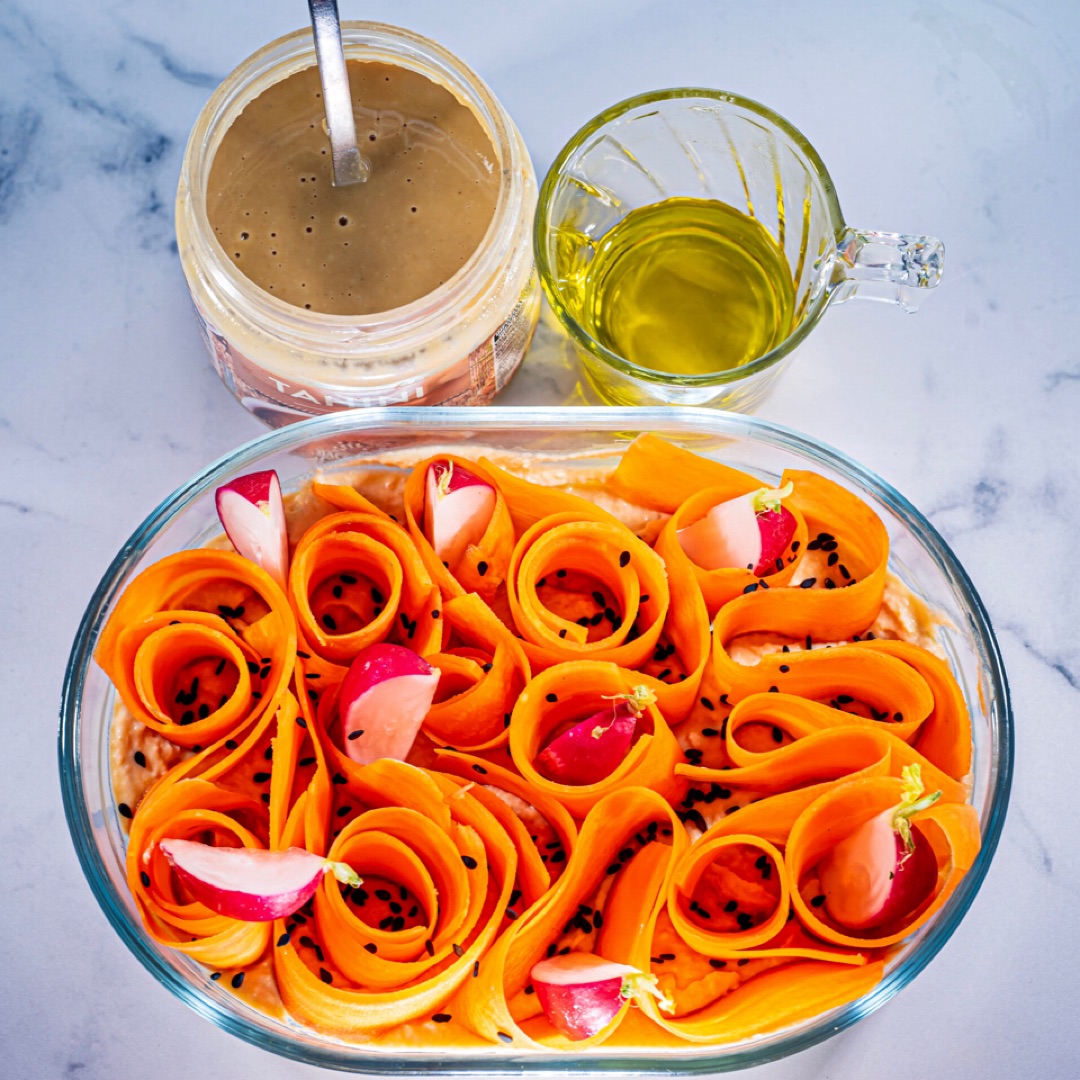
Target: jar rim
{"type": "Point", "coordinates": [399, 328]}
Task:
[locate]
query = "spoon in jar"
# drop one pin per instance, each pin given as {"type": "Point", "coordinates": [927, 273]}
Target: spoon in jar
{"type": "Point", "coordinates": [350, 167]}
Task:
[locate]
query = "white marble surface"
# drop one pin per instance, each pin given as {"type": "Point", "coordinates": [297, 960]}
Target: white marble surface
{"type": "Point", "coordinates": [951, 117]}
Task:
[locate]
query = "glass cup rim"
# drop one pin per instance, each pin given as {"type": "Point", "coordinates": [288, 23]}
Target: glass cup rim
{"type": "Point", "coordinates": [612, 422]}
{"type": "Point", "coordinates": [546, 271]}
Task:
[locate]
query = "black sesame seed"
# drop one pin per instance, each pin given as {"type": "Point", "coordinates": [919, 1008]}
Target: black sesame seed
{"type": "Point", "coordinates": [382, 894]}
{"type": "Point", "coordinates": [301, 722]}
{"type": "Point", "coordinates": [124, 810]}
{"type": "Point", "coordinates": [708, 704]}
{"type": "Point", "coordinates": [480, 769]}
{"type": "Point", "coordinates": [731, 905]}
{"type": "Point", "coordinates": [743, 962]}
{"type": "Point", "coordinates": [458, 950]}
{"type": "Point", "coordinates": [237, 980]}
{"type": "Point", "coordinates": [215, 976]}
{"type": "Point", "coordinates": [562, 633]}
{"type": "Point", "coordinates": [476, 969]}
{"type": "Point", "coordinates": [807, 583]}
{"type": "Point", "coordinates": [260, 777]}
{"type": "Point", "coordinates": [304, 762]}
{"type": "Point", "coordinates": [481, 568]}
{"type": "Point", "coordinates": [355, 734]}
{"type": "Point", "coordinates": [442, 1018]}
{"type": "Point", "coordinates": [818, 900]}
{"type": "Point", "coordinates": [231, 744]}
{"type": "Point", "coordinates": [552, 697]}
{"type": "Point", "coordinates": [717, 963]}
{"type": "Point", "coordinates": [328, 622]}
{"type": "Point", "coordinates": [511, 914]}
{"type": "Point", "coordinates": [469, 861]}
{"type": "Point", "coordinates": [140, 758]}
{"type": "Point", "coordinates": [785, 668]}
{"type": "Point", "coordinates": [371, 947]}
{"type": "Point", "coordinates": [144, 877]}
{"type": "Point", "coordinates": [325, 975]}
{"type": "Point", "coordinates": [624, 558]}
{"type": "Point", "coordinates": [504, 1037]}
{"type": "Point", "coordinates": [752, 587]}
{"type": "Point", "coordinates": [614, 868]}
{"type": "Point", "coordinates": [430, 946]}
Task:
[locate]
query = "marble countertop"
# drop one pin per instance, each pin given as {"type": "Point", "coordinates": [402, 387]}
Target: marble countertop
{"type": "Point", "coordinates": [954, 117]}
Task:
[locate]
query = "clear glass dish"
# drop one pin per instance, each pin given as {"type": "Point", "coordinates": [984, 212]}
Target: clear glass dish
{"type": "Point", "coordinates": [582, 438]}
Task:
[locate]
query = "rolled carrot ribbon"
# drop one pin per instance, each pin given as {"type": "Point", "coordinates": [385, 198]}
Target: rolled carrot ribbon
{"type": "Point", "coordinates": [572, 692]}
{"type": "Point", "coordinates": [200, 644]}
{"type": "Point", "coordinates": [484, 671]}
{"type": "Point", "coordinates": [357, 579]}
{"type": "Point", "coordinates": [551, 831]}
{"type": "Point", "coordinates": [353, 972]}
{"type": "Point", "coordinates": [575, 591]}
{"type": "Point", "coordinates": [191, 809]}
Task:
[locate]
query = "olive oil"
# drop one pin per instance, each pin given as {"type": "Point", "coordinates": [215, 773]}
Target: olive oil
{"type": "Point", "coordinates": [687, 287]}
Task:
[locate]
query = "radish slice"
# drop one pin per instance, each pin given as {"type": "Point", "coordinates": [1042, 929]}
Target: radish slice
{"type": "Point", "coordinates": [384, 698]}
{"type": "Point", "coordinates": [882, 871]}
{"type": "Point", "coordinates": [251, 884]}
{"type": "Point", "coordinates": [253, 515]}
{"type": "Point", "coordinates": [581, 993]}
{"type": "Point", "coordinates": [593, 748]}
{"type": "Point", "coordinates": [748, 532]}
{"type": "Point", "coordinates": [457, 511]}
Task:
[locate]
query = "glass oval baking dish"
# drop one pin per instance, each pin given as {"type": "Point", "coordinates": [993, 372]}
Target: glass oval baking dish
{"type": "Point", "coordinates": [578, 439]}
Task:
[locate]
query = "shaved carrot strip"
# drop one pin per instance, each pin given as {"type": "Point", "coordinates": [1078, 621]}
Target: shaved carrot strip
{"type": "Point", "coordinates": [199, 617]}
{"type": "Point", "coordinates": [474, 716]}
{"type": "Point", "coordinates": [357, 579]}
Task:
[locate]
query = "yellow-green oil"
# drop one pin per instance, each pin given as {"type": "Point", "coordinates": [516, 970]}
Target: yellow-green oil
{"type": "Point", "coordinates": [687, 287]}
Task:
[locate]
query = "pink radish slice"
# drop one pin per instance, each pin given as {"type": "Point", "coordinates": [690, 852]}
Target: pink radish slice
{"type": "Point", "coordinates": [253, 515]}
{"type": "Point", "coordinates": [581, 993]}
{"type": "Point", "coordinates": [384, 698]}
{"type": "Point", "coordinates": [457, 511]}
{"type": "Point", "coordinates": [883, 870]}
{"type": "Point", "coordinates": [593, 748]}
{"type": "Point", "coordinates": [251, 884]}
{"type": "Point", "coordinates": [748, 532]}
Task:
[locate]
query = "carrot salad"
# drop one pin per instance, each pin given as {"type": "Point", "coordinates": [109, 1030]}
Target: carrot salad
{"type": "Point", "coordinates": [689, 839]}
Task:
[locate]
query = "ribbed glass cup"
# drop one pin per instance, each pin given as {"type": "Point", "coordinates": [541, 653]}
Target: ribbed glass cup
{"type": "Point", "coordinates": [709, 144]}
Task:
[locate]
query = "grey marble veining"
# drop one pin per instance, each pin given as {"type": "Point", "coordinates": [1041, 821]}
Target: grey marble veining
{"type": "Point", "coordinates": [957, 118]}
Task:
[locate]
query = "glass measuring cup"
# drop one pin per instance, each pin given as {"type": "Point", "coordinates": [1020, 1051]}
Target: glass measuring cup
{"type": "Point", "coordinates": [699, 144]}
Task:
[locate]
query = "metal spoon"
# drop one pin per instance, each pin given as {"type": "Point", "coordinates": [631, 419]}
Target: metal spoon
{"type": "Point", "coordinates": [349, 166]}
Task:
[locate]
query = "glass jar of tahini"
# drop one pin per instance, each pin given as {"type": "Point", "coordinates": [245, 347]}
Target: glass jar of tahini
{"type": "Point", "coordinates": [420, 289]}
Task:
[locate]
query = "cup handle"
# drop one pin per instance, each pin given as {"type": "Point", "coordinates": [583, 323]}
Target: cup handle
{"type": "Point", "coordinates": [894, 267]}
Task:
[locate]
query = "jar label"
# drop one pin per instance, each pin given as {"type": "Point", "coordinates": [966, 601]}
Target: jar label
{"type": "Point", "coordinates": [473, 380]}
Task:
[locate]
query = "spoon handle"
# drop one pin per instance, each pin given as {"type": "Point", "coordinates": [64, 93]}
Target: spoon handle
{"type": "Point", "coordinates": [349, 166]}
